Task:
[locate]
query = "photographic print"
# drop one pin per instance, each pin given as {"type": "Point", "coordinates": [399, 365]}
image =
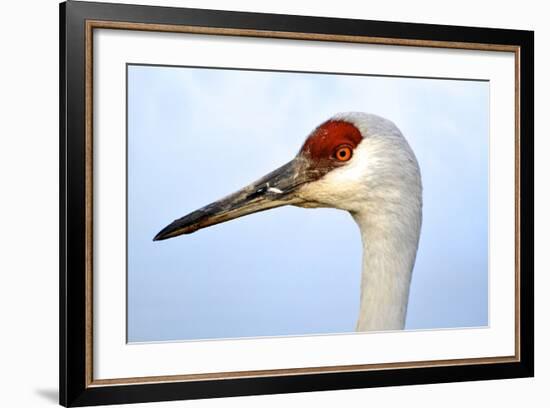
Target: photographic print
{"type": "Point", "coordinates": [276, 203]}
{"type": "Point", "coordinates": [257, 204]}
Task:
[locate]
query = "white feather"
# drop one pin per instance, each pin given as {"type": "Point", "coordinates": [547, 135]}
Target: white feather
{"type": "Point", "coordinates": [381, 187]}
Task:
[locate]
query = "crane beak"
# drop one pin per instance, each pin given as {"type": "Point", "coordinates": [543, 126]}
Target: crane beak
{"type": "Point", "coordinates": [275, 189]}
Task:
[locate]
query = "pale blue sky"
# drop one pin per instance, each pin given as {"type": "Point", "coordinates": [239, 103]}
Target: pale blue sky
{"type": "Point", "coordinates": [195, 135]}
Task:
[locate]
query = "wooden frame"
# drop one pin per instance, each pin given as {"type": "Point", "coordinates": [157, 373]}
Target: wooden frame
{"type": "Point", "coordinates": [77, 22]}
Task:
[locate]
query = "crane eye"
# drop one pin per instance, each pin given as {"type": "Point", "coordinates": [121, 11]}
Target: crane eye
{"type": "Point", "coordinates": [343, 153]}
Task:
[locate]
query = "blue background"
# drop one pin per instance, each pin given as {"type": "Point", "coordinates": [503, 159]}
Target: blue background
{"type": "Point", "coordinates": [195, 135]}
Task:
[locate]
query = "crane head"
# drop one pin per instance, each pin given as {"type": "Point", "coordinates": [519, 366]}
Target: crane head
{"type": "Point", "coordinates": [345, 163]}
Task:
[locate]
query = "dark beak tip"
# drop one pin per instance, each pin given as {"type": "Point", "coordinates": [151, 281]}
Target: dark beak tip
{"type": "Point", "coordinates": [162, 235]}
{"type": "Point", "coordinates": [174, 231]}
{"type": "Point", "coordinates": [158, 237]}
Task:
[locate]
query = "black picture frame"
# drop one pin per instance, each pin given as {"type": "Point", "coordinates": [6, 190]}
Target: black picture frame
{"type": "Point", "coordinates": [75, 387]}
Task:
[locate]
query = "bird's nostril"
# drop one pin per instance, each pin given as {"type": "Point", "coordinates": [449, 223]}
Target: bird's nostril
{"type": "Point", "coordinates": [257, 193]}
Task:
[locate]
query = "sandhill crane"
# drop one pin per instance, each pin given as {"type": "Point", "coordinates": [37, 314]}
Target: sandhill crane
{"type": "Point", "coordinates": [359, 163]}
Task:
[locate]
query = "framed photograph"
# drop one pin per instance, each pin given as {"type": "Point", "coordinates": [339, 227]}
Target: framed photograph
{"type": "Point", "coordinates": [256, 203]}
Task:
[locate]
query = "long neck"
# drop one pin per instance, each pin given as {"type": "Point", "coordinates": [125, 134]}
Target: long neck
{"type": "Point", "coordinates": [390, 241]}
